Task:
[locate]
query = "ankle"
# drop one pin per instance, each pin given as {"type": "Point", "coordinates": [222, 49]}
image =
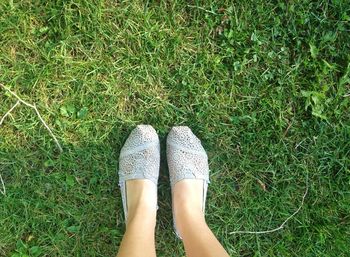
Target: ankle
{"type": "Point", "coordinates": [187, 206]}
{"type": "Point", "coordinates": [142, 201]}
{"type": "Point", "coordinates": [142, 214]}
{"type": "Point", "coordinates": [187, 212]}
{"type": "Point", "coordinates": [188, 197]}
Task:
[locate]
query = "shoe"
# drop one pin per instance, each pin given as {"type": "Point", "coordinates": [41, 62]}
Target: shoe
{"type": "Point", "coordinates": [187, 159]}
{"type": "Point", "coordinates": [139, 159]}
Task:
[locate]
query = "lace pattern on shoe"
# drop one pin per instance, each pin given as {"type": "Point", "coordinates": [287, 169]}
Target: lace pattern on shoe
{"type": "Point", "coordinates": [139, 157]}
{"type": "Point", "coordinates": [186, 156]}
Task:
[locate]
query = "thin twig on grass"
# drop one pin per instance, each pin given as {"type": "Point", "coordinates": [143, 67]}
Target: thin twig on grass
{"type": "Point", "coordinates": [36, 111]}
{"type": "Point", "coordinates": [9, 111]}
{"type": "Point", "coordinates": [287, 129]}
{"type": "Point", "coordinates": [201, 8]}
{"type": "Point", "coordinates": [283, 223]}
{"type": "Point", "coordinates": [3, 190]}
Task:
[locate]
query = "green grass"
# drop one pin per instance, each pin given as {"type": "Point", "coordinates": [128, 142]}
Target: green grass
{"type": "Point", "coordinates": [264, 84]}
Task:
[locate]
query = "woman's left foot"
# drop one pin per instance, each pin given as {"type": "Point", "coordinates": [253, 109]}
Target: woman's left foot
{"type": "Point", "coordinates": [139, 162]}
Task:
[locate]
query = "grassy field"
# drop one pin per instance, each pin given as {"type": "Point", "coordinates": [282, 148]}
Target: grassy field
{"type": "Point", "coordinates": [264, 84]}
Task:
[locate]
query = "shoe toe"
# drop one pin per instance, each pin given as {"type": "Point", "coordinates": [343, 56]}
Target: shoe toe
{"type": "Point", "coordinates": [183, 136]}
{"type": "Point", "coordinates": [141, 135]}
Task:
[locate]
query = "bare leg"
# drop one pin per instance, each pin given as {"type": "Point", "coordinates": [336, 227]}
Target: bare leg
{"type": "Point", "coordinates": [138, 239]}
{"type": "Point", "coordinates": [198, 239]}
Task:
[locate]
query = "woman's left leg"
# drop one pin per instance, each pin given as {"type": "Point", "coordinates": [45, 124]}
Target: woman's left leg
{"type": "Point", "coordinates": [138, 240]}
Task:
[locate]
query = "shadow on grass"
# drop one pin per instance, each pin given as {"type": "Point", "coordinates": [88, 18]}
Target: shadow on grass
{"type": "Point", "coordinates": [69, 204]}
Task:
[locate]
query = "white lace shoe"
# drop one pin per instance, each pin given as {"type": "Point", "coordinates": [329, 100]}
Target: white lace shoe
{"type": "Point", "coordinates": [139, 159]}
{"type": "Point", "coordinates": [187, 159]}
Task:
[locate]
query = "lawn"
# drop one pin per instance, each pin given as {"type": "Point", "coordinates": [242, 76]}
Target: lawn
{"type": "Point", "coordinates": [264, 84]}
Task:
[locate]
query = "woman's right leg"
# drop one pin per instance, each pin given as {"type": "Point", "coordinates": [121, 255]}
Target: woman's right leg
{"type": "Point", "coordinates": [199, 241]}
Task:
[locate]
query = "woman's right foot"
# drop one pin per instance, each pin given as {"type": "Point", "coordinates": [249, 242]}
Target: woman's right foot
{"type": "Point", "coordinates": [189, 176]}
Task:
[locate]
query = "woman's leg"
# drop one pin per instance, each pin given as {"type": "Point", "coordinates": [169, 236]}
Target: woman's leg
{"type": "Point", "coordinates": [198, 239]}
{"type": "Point", "coordinates": [138, 240]}
{"type": "Point", "coordinates": [139, 162]}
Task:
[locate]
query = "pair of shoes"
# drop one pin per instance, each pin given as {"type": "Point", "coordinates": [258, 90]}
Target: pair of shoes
{"type": "Point", "coordinates": [140, 159]}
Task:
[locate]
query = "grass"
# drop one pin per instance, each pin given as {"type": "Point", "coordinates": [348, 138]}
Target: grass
{"type": "Point", "coordinates": [264, 84]}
